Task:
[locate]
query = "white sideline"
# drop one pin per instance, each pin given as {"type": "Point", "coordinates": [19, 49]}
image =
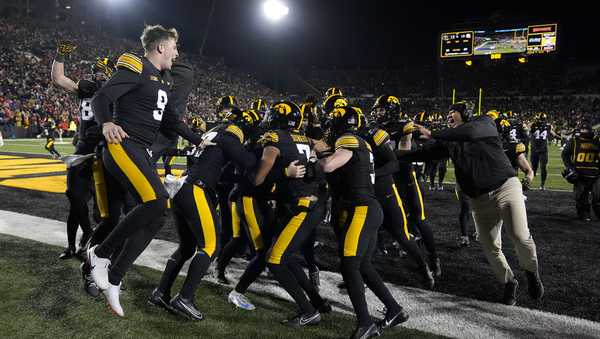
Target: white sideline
{"type": "Point", "coordinates": [431, 312]}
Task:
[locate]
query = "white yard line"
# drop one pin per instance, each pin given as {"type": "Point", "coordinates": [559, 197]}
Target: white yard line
{"type": "Point", "coordinates": [431, 312]}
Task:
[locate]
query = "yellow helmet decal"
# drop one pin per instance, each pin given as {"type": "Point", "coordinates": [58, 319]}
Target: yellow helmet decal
{"type": "Point", "coordinates": [283, 108]}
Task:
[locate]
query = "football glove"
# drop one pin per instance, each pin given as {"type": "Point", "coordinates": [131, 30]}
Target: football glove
{"type": "Point", "coordinates": [65, 48]}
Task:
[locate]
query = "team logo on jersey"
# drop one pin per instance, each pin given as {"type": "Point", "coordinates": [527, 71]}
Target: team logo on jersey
{"type": "Point", "coordinates": [153, 78]}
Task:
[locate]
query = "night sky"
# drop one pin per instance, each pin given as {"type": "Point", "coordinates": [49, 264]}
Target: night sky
{"type": "Point", "coordinates": [344, 33]}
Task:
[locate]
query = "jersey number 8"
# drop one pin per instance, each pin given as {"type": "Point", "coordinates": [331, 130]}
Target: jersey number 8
{"type": "Point", "coordinates": [85, 108]}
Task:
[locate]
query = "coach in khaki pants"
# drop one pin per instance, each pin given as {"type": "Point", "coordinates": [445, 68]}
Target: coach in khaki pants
{"type": "Point", "coordinates": [486, 176]}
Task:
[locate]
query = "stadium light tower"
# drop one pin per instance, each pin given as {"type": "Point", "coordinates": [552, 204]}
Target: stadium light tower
{"type": "Point", "coordinates": [275, 10]}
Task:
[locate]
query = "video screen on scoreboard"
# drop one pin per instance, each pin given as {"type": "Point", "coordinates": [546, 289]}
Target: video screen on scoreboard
{"type": "Point", "coordinates": [532, 39]}
{"type": "Point", "coordinates": [500, 41]}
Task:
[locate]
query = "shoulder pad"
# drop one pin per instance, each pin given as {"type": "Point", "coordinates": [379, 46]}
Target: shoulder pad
{"type": "Point", "coordinates": [380, 137]}
{"type": "Point", "coordinates": [520, 148]}
{"type": "Point", "coordinates": [346, 141]}
{"type": "Point", "coordinates": [269, 137]}
{"type": "Point", "coordinates": [233, 129]}
{"type": "Point", "coordinates": [130, 62]}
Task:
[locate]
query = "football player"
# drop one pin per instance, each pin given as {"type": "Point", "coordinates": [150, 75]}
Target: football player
{"type": "Point", "coordinates": [360, 216]}
{"type": "Point", "coordinates": [79, 178]}
{"type": "Point", "coordinates": [194, 206]}
{"type": "Point", "coordinates": [139, 93]}
{"type": "Point", "coordinates": [302, 208]}
{"type": "Point", "coordinates": [539, 132]}
{"type": "Point", "coordinates": [581, 157]}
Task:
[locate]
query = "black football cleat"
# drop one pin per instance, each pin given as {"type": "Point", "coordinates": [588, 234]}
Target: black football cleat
{"type": "Point", "coordinates": [302, 320]}
{"type": "Point", "coordinates": [535, 286]}
{"type": "Point", "coordinates": [89, 286]}
{"type": "Point", "coordinates": [66, 254]}
{"type": "Point", "coordinates": [510, 292]}
{"type": "Point", "coordinates": [366, 332]}
{"type": "Point", "coordinates": [186, 308]}
{"type": "Point", "coordinates": [393, 319]}
{"type": "Point", "coordinates": [160, 299]}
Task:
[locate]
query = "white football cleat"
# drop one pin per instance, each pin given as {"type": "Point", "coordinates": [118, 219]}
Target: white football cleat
{"type": "Point", "coordinates": [112, 297]}
{"type": "Point", "coordinates": [98, 268]}
{"type": "Point", "coordinates": [240, 300]}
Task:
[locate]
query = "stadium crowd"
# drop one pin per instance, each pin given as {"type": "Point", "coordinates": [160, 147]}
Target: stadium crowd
{"type": "Point", "coordinates": [28, 100]}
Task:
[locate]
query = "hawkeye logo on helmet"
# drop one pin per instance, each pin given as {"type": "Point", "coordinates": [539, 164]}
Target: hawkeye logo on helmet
{"type": "Point", "coordinates": [284, 109]}
{"type": "Point", "coordinates": [393, 100]}
{"type": "Point", "coordinates": [341, 102]}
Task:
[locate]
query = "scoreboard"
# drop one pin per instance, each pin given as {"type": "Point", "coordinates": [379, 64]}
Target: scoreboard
{"type": "Point", "coordinates": [528, 40]}
{"type": "Point", "coordinates": [457, 44]}
{"type": "Point", "coordinates": [541, 39]}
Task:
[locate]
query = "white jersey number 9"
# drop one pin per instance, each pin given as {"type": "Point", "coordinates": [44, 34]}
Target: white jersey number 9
{"type": "Point", "coordinates": [161, 103]}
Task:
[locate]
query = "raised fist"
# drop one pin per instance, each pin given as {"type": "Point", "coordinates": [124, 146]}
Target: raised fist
{"type": "Point", "coordinates": [66, 47]}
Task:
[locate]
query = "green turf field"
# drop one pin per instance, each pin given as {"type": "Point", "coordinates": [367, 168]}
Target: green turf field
{"type": "Point", "coordinates": [43, 298]}
{"type": "Point", "coordinates": [36, 146]}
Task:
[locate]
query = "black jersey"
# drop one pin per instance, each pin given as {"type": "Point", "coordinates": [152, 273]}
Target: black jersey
{"type": "Point", "coordinates": [246, 187]}
{"type": "Point", "coordinates": [292, 146]}
{"type": "Point", "coordinates": [85, 91]}
{"type": "Point", "coordinates": [539, 133]}
{"type": "Point", "coordinates": [405, 168]}
{"type": "Point", "coordinates": [357, 176]}
{"type": "Point", "coordinates": [385, 161]}
{"type": "Point", "coordinates": [516, 133]}
{"type": "Point", "coordinates": [210, 163]}
{"type": "Point", "coordinates": [585, 157]}
{"type": "Point", "coordinates": [140, 94]}
{"type": "Point", "coordinates": [512, 151]}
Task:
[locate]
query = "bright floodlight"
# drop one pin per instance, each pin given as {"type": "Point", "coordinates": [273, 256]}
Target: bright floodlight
{"type": "Point", "coordinates": [275, 10]}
